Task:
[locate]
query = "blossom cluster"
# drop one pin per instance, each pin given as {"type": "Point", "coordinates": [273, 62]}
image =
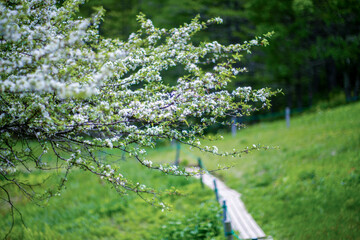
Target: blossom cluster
{"type": "Point", "coordinates": [73, 92]}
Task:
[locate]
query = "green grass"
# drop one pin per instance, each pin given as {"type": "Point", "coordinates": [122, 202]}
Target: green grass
{"type": "Point", "coordinates": [307, 189]}
{"type": "Point", "coordinates": [90, 209]}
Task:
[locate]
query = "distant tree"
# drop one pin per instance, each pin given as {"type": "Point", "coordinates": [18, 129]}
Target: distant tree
{"type": "Point", "coordinates": [119, 19]}
{"type": "Point", "coordinates": [67, 91]}
{"type": "Point", "coordinates": [314, 53]}
{"type": "Point", "coordinates": [336, 25]}
{"type": "Point", "coordinates": [316, 46]}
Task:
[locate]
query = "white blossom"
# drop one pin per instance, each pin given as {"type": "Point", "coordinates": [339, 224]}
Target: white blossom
{"type": "Point", "coordinates": [73, 92]}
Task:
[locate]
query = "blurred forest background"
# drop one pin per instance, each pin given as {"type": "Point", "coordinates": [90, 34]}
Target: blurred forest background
{"type": "Point", "coordinates": [308, 189]}
{"type": "Point", "coordinates": [313, 56]}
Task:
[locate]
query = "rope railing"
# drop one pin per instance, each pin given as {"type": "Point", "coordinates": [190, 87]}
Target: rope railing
{"type": "Point", "coordinates": [229, 233]}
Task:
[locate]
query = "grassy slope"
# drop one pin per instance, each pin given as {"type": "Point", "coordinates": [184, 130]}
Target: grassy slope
{"type": "Point", "coordinates": [310, 188]}
{"type": "Point", "coordinates": [90, 209]}
{"type": "Point", "coordinates": [307, 189]}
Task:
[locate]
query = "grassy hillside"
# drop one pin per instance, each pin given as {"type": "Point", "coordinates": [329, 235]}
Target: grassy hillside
{"type": "Point", "coordinates": [309, 188]}
{"type": "Point", "coordinates": [89, 209]}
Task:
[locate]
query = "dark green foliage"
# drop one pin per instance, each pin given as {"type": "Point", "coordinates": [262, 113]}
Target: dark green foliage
{"type": "Point", "coordinates": [314, 53]}
{"type": "Point", "coordinates": [202, 223]}
{"type": "Point", "coordinates": [315, 49]}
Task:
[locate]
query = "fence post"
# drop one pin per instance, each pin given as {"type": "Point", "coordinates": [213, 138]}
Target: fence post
{"type": "Point", "coordinates": [201, 168]}
{"type": "Point", "coordinates": [224, 211]}
{"type": "Point", "coordinates": [177, 154]}
{"type": "Point", "coordinates": [233, 126]}
{"type": "Point", "coordinates": [216, 191]}
{"type": "Point", "coordinates": [287, 116]}
{"type": "Point", "coordinates": [228, 230]}
{"type": "Point", "coordinates": [227, 224]}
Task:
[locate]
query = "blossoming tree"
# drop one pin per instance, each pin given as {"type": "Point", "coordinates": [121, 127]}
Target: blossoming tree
{"type": "Point", "coordinates": [68, 91]}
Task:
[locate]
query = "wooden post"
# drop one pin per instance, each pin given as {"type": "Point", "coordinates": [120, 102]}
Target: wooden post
{"type": "Point", "coordinates": [227, 224]}
{"type": "Point", "coordinates": [201, 168]}
{"type": "Point", "coordinates": [233, 126]}
{"type": "Point", "coordinates": [224, 211]}
{"type": "Point", "coordinates": [177, 157]}
{"type": "Point", "coordinates": [287, 116]}
{"type": "Point", "coordinates": [228, 230]}
{"type": "Point", "coordinates": [216, 191]}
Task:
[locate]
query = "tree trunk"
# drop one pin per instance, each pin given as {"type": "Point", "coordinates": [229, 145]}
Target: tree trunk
{"type": "Point", "coordinates": [313, 85]}
{"type": "Point", "coordinates": [298, 94]}
{"type": "Point", "coordinates": [289, 95]}
{"type": "Point", "coordinates": [357, 87]}
{"type": "Point", "coordinates": [347, 89]}
{"type": "Point", "coordinates": [331, 73]}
